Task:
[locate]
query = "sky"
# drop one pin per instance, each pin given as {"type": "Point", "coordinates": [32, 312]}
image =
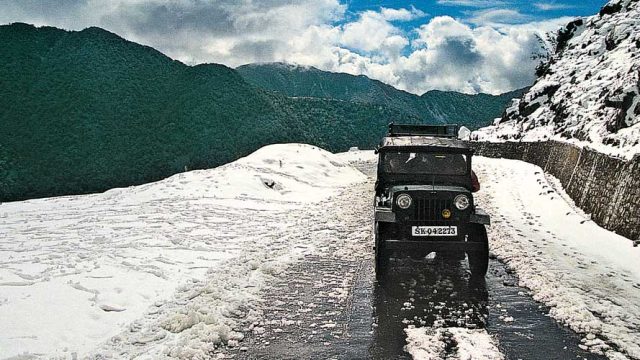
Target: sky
{"type": "Point", "coordinates": [471, 46]}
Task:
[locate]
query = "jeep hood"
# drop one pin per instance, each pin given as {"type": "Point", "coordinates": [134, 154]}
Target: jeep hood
{"type": "Point", "coordinates": [436, 188]}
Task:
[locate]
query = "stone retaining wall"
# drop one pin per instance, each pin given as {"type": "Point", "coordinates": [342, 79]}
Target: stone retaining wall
{"type": "Point", "coordinates": [608, 188]}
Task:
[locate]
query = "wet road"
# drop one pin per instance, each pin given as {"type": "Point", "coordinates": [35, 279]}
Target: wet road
{"type": "Point", "coordinates": [333, 308]}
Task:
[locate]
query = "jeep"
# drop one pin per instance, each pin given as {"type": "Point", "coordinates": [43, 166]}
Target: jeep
{"type": "Point", "coordinates": [424, 198]}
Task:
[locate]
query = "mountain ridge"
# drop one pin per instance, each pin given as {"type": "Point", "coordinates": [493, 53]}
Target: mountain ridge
{"type": "Point", "coordinates": [434, 105]}
{"type": "Point", "coordinates": [86, 111]}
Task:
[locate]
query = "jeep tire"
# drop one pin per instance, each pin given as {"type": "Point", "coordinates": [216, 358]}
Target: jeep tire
{"type": "Point", "coordinates": [381, 256]}
{"type": "Point", "coordinates": [479, 259]}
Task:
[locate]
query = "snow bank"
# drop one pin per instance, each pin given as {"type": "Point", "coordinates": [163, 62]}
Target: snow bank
{"type": "Point", "coordinates": [358, 157]}
{"type": "Point", "coordinates": [290, 173]}
{"type": "Point", "coordinates": [590, 277]}
{"type": "Point", "coordinates": [78, 270]}
{"type": "Point", "coordinates": [589, 93]}
{"type": "Point", "coordinates": [451, 343]}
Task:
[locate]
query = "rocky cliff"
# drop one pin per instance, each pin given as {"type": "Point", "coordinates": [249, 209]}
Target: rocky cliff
{"type": "Point", "coordinates": [588, 92]}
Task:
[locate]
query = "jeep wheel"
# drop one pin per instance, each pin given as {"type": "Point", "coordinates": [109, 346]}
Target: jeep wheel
{"type": "Point", "coordinates": [382, 263]}
{"type": "Point", "coordinates": [450, 258]}
{"type": "Point", "coordinates": [479, 259]}
{"type": "Point", "coordinates": [381, 256]}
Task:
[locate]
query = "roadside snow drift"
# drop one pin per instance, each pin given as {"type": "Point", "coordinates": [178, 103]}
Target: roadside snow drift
{"type": "Point", "coordinates": [588, 276]}
{"type": "Point", "coordinates": [176, 263]}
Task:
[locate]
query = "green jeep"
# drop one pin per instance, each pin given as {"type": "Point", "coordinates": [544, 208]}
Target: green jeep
{"type": "Point", "coordinates": [424, 198]}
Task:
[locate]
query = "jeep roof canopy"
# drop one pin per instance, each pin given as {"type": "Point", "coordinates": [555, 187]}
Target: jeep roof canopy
{"type": "Point", "coordinates": [447, 131]}
{"type": "Point", "coordinates": [424, 142]}
{"type": "Point", "coordinates": [440, 138]}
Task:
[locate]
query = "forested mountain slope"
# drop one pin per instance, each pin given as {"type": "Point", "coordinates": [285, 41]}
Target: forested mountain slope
{"type": "Point", "coordinates": [88, 111]}
{"type": "Point", "coordinates": [473, 111]}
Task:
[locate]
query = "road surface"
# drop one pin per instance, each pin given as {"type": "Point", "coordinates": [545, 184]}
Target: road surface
{"type": "Point", "coordinates": [331, 307]}
{"type": "Point", "coordinates": [271, 257]}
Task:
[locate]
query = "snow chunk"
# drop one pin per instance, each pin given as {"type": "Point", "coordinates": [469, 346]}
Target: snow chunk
{"type": "Point", "coordinates": [430, 344]}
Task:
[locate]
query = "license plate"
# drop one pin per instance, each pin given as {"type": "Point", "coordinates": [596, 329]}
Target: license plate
{"type": "Point", "coordinates": [434, 230]}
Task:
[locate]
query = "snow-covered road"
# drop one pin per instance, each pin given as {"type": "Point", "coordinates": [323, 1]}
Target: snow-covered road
{"type": "Point", "coordinates": [590, 277]}
{"type": "Point", "coordinates": [178, 267]}
{"type": "Point", "coordinates": [171, 266]}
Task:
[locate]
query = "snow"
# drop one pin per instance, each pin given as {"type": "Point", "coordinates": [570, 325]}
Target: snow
{"type": "Point", "coordinates": [590, 277]}
{"type": "Point", "coordinates": [175, 269]}
{"type": "Point", "coordinates": [590, 94]}
{"type": "Point", "coordinates": [360, 156]}
{"type": "Point", "coordinates": [464, 133]}
{"type": "Point", "coordinates": [468, 344]}
{"type": "Point", "coordinates": [162, 269]}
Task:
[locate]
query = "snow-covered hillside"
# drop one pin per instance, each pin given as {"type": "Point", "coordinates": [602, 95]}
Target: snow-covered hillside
{"type": "Point", "coordinates": [176, 263]}
{"type": "Point", "coordinates": [588, 93]}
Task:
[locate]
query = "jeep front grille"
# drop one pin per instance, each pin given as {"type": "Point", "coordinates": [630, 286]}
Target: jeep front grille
{"type": "Point", "coordinates": [431, 209]}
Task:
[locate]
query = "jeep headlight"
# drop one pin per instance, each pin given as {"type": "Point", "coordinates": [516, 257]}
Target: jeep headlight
{"type": "Point", "coordinates": [461, 201]}
{"type": "Point", "coordinates": [404, 201]}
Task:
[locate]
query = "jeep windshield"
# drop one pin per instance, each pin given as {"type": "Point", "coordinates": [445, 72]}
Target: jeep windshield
{"type": "Point", "coordinates": [402, 162]}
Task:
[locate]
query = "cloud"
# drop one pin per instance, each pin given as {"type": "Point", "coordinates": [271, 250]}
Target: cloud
{"type": "Point", "coordinates": [548, 6]}
{"type": "Point", "coordinates": [456, 56]}
{"type": "Point", "coordinates": [448, 55]}
{"type": "Point", "coordinates": [193, 31]}
{"type": "Point", "coordinates": [495, 16]}
{"type": "Point", "coordinates": [369, 32]}
{"type": "Point", "coordinates": [484, 54]}
{"type": "Point", "coordinates": [401, 14]}
{"type": "Point", "coordinates": [472, 3]}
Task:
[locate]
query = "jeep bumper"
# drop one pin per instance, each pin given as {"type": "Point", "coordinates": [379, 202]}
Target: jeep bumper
{"type": "Point", "coordinates": [478, 217]}
{"type": "Point", "coordinates": [413, 245]}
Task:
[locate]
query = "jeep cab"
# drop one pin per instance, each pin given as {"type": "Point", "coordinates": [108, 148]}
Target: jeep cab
{"type": "Point", "coordinates": [424, 198]}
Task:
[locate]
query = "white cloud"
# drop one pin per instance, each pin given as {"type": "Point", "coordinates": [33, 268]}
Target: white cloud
{"type": "Point", "coordinates": [224, 31]}
{"type": "Point", "coordinates": [368, 33]}
{"type": "Point", "coordinates": [449, 55]}
{"type": "Point", "coordinates": [491, 55]}
{"type": "Point", "coordinates": [440, 30]}
{"type": "Point", "coordinates": [496, 16]}
{"type": "Point", "coordinates": [402, 14]}
{"type": "Point", "coordinates": [456, 56]}
{"type": "Point", "coordinates": [547, 6]}
{"type": "Point", "coordinates": [472, 3]}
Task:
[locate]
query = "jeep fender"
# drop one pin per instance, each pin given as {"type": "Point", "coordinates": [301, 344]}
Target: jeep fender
{"type": "Point", "coordinates": [480, 217]}
{"type": "Point", "coordinates": [385, 215]}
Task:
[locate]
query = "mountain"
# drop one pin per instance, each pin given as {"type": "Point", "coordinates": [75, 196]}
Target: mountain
{"type": "Point", "coordinates": [300, 81]}
{"type": "Point", "coordinates": [589, 91]}
{"type": "Point", "coordinates": [472, 111]}
{"type": "Point", "coordinates": [88, 111]}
